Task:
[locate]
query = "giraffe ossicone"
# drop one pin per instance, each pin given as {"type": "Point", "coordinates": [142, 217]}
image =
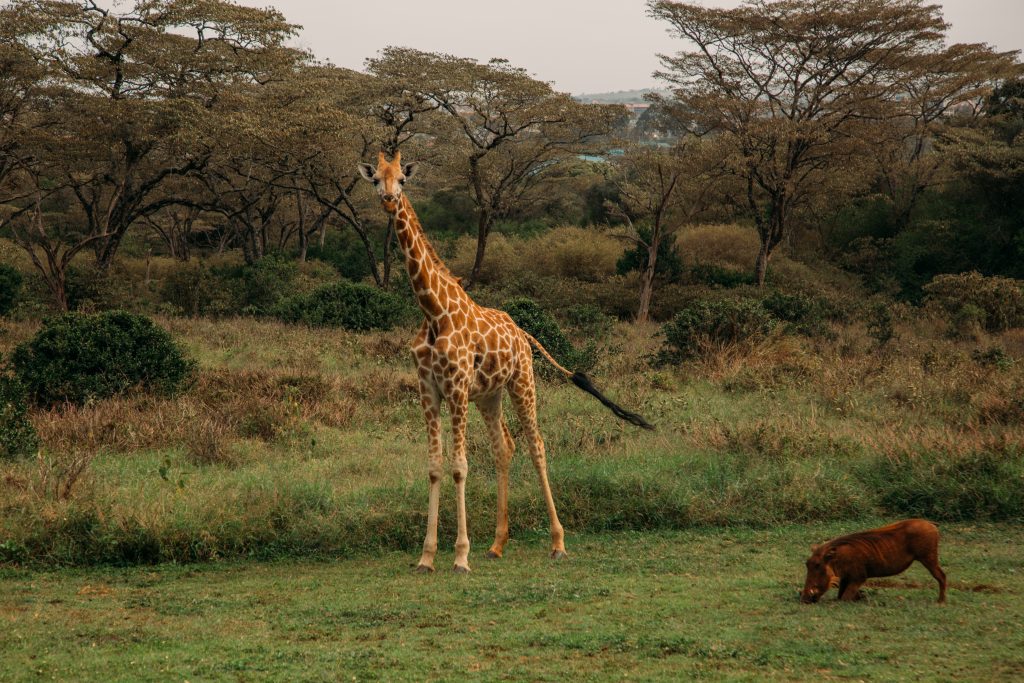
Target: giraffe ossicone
{"type": "Point", "coordinates": [468, 353]}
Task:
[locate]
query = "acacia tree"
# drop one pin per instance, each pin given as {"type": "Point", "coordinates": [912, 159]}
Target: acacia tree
{"type": "Point", "coordinates": [506, 130]}
{"type": "Point", "coordinates": [664, 189]}
{"type": "Point", "coordinates": [797, 87]}
{"type": "Point", "coordinates": [132, 85]}
{"type": "Point", "coordinates": [953, 81]}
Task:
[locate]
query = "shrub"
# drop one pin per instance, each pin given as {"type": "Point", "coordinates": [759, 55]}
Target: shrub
{"type": "Point", "coordinates": [880, 322]}
{"type": "Point", "coordinates": [571, 252]}
{"type": "Point", "coordinates": [10, 287]}
{"type": "Point", "coordinates": [17, 435]}
{"type": "Point", "coordinates": [731, 246]}
{"type": "Point", "coordinates": [345, 253]}
{"type": "Point", "coordinates": [719, 322]}
{"type": "Point", "coordinates": [192, 289]}
{"type": "Point", "coordinates": [90, 289]}
{"type": "Point", "coordinates": [77, 357]}
{"type": "Point", "coordinates": [806, 315]}
{"type": "Point", "coordinates": [668, 266]}
{"type": "Point", "coordinates": [588, 319]}
{"type": "Point", "coordinates": [993, 357]}
{"type": "Point", "coordinates": [539, 323]}
{"type": "Point", "coordinates": [710, 274]}
{"type": "Point", "coordinates": [1000, 300]}
{"type": "Point", "coordinates": [258, 288]}
{"type": "Point", "coordinates": [347, 305]}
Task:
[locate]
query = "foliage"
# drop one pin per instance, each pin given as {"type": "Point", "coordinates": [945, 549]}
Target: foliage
{"type": "Point", "coordinates": [806, 121]}
{"type": "Point", "coordinates": [711, 274]}
{"type": "Point", "coordinates": [192, 289]}
{"type": "Point", "coordinates": [880, 322]}
{"type": "Point", "coordinates": [347, 305]}
{"type": "Point", "coordinates": [807, 315]}
{"type": "Point", "coordinates": [668, 265]}
{"type": "Point", "coordinates": [76, 358]}
{"type": "Point", "coordinates": [346, 254]}
{"type": "Point", "coordinates": [544, 328]}
{"type": "Point", "coordinates": [589, 320]}
{"type": "Point", "coordinates": [718, 322]}
{"type": "Point", "coordinates": [10, 287]}
{"type": "Point", "coordinates": [17, 435]}
{"type": "Point", "coordinates": [258, 288]}
{"type": "Point", "coordinates": [507, 133]}
{"type": "Point", "coordinates": [997, 303]}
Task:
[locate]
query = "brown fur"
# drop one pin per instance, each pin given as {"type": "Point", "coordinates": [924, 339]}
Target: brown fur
{"type": "Point", "coordinates": [849, 561]}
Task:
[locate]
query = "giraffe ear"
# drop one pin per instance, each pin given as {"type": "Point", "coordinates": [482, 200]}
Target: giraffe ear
{"type": "Point", "coordinates": [410, 170]}
{"type": "Point", "coordinates": [366, 171]}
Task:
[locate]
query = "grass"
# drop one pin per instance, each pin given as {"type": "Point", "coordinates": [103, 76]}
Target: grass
{"type": "Point", "coordinates": [298, 442]}
{"type": "Point", "coordinates": [716, 604]}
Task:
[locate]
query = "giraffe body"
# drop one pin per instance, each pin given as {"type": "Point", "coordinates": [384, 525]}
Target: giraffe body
{"type": "Point", "coordinates": [468, 353]}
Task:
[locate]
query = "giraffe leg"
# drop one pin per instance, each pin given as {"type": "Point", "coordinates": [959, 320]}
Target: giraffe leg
{"type": "Point", "coordinates": [431, 402]}
{"type": "Point", "coordinates": [524, 400]}
{"type": "Point", "coordinates": [503, 447]}
{"type": "Point", "coordinates": [458, 404]}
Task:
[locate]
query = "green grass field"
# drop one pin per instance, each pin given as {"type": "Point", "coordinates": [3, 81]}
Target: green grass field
{"type": "Point", "coordinates": [262, 524]}
{"type": "Point", "coordinates": [717, 604]}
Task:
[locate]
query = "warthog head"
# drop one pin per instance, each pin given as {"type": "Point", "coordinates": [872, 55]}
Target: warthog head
{"type": "Point", "coordinates": [820, 575]}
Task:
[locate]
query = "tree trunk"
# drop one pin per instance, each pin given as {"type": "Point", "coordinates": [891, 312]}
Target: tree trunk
{"type": "Point", "coordinates": [761, 267]}
{"type": "Point", "coordinates": [303, 245]}
{"type": "Point", "coordinates": [56, 282]}
{"type": "Point", "coordinates": [647, 284]}
{"type": "Point", "coordinates": [482, 231]}
{"type": "Point", "coordinates": [107, 249]}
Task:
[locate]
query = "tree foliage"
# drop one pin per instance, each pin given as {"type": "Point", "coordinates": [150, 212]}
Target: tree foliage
{"type": "Point", "coordinates": [801, 89]}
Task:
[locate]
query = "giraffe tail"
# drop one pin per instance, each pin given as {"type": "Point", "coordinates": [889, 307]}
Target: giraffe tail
{"type": "Point", "coordinates": [583, 382]}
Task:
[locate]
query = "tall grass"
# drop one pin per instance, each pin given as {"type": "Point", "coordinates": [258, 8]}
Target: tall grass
{"type": "Point", "coordinates": [299, 441]}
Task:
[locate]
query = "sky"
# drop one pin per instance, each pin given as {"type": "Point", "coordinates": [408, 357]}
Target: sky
{"type": "Point", "coordinates": [581, 46]}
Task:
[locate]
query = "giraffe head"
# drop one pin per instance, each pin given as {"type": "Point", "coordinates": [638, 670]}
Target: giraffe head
{"type": "Point", "coordinates": [388, 178]}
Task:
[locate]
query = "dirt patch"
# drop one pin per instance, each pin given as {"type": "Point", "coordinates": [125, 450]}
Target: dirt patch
{"type": "Point", "coordinates": [952, 585]}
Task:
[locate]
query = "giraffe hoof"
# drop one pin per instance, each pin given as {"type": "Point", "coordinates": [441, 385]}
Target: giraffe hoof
{"type": "Point", "coordinates": [424, 569]}
{"type": "Point", "coordinates": [491, 555]}
{"type": "Point", "coordinates": [461, 569]}
{"type": "Point", "coordinates": [558, 555]}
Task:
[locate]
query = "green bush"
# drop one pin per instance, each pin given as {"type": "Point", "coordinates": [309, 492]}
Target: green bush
{"type": "Point", "coordinates": [1000, 300]}
{"type": "Point", "coordinates": [77, 357]}
{"type": "Point", "coordinates": [345, 253]}
{"type": "Point", "coordinates": [347, 305]}
{"type": "Point", "coordinates": [668, 265]}
{"type": "Point", "coordinates": [880, 322]}
{"type": "Point", "coordinates": [10, 287]}
{"type": "Point", "coordinates": [710, 274]}
{"type": "Point", "coordinates": [17, 435]}
{"type": "Point", "coordinates": [589, 320]}
{"type": "Point", "coordinates": [717, 322]}
{"type": "Point", "coordinates": [806, 315]}
{"type": "Point", "coordinates": [259, 288]}
{"type": "Point", "coordinates": [192, 290]}
{"type": "Point", "coordinates": [982, 486]}
{"type": "Point", "coordinates": [539, 323]}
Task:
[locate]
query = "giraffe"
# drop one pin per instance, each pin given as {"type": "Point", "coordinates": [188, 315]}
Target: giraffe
{"type": "Point", "coordinates": [468, 353]}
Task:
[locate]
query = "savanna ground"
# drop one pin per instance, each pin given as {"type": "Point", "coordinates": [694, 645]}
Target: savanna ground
{"type": "Point", "coordinates": [262, 524]}
{"type": "Point", "coordinates": [716, 604]}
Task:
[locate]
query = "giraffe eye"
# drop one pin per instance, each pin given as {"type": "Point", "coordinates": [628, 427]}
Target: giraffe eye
{"type": "Point", "coordinates": [401, 181]}
{"type": "Point", "coordinates": [376, 181]}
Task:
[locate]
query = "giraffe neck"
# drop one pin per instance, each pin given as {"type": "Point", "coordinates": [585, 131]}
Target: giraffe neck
{"type": "Point", "coordinates": [436, 289]}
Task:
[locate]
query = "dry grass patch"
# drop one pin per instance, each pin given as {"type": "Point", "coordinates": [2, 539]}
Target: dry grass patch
{"type": "Point", "coordinates": [222, 406]}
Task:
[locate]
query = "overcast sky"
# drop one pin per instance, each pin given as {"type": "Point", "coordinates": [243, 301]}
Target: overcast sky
{"type": "Point", "coordinates": [582, 46]}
